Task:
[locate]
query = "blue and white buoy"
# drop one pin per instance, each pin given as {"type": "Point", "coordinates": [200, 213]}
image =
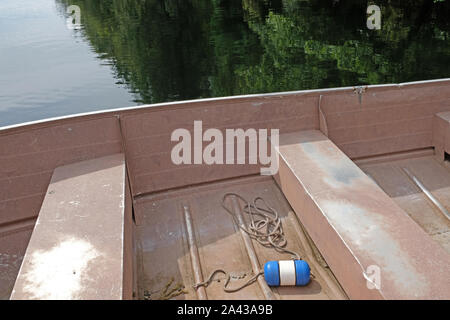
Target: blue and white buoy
{"type": "Point", "coordinates": [287, 273]}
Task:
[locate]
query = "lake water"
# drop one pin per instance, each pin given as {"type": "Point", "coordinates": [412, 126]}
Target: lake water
{"type": "Point", "coordinates": [131, 52]}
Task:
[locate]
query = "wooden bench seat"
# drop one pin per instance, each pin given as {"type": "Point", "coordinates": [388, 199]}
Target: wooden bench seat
{"type": "Point", "coordinates": [81, 244]}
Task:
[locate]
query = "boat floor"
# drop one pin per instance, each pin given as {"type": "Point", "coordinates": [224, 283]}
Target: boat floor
{"type": "Point", "coordinates": [13, 241]}
{"type": "Point", "coordinates": [434, 175]}
{"type": "Point", "coordinates": [163, 250]}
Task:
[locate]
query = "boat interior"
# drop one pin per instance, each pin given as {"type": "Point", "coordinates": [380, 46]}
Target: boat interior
{"type": "Point", "coordinates": [93, 207]}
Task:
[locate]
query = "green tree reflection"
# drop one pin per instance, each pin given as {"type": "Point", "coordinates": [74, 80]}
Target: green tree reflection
{"type": "Point", "coordinates": [182, 49]}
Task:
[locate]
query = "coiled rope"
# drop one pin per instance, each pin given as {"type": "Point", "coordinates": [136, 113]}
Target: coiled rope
{"type": "Point", "coordinates": [265, 224]}
{"type": "Point", "coordinates": [265, 227]}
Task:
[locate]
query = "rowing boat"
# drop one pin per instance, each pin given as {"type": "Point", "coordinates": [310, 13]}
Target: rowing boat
{"type": "Point", "coordinates": [93, 206]}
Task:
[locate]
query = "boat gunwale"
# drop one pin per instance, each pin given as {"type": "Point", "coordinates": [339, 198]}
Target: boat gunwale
{"type": "Point", "coordinates": [15, 128]}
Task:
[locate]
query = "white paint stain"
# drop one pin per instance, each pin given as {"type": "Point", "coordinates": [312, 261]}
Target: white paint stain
{"type": "Point", "coordinates": [58, 273]}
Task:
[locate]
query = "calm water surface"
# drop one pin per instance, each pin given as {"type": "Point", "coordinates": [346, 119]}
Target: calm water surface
{"type": "Point", "coordinates": [130, 52]}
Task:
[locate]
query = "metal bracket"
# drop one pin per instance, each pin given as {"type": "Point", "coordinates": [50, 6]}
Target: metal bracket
{"type": "Point", "coordinates": [359, 91]}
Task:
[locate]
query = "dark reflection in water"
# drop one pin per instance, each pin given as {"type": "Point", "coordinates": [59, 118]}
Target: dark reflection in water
{"type": "Point", "coordinates": [165, 50]}
{"type": "Point", "coordinates": [181, 49]}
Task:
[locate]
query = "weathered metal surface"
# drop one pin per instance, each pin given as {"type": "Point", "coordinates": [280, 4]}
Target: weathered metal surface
{"type": "Point", "coordinates": [148, 137]}
{"type": "Point", "coordinates": [27, 160]}
{"type": "Point", "coordinates": [77, 247]}
{"type": "Point", "coordinates": [441, 134]}
{"type": "Point", "coordinates": [253, 257]}
{"type": "Point", "coordinates": [428, 194]}
{"type": "Point", "coordinates": [29, 153]}
{"type": "Point", "coordinates": [433, 175]}
{"type": "Point", "coordinates": [13, 243]}
{"type": "Point", "coordinates": [356, 225]}
{"type": "Point", "coordinates": [193, 249]}
{"type": "Point", "coordinates": [389, 119]}
{"type": "Point", "coordinates": [165, 252]}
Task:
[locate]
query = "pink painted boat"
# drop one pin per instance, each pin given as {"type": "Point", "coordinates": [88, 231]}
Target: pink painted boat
{"type": "Point", "coordinates": [92, 207]}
